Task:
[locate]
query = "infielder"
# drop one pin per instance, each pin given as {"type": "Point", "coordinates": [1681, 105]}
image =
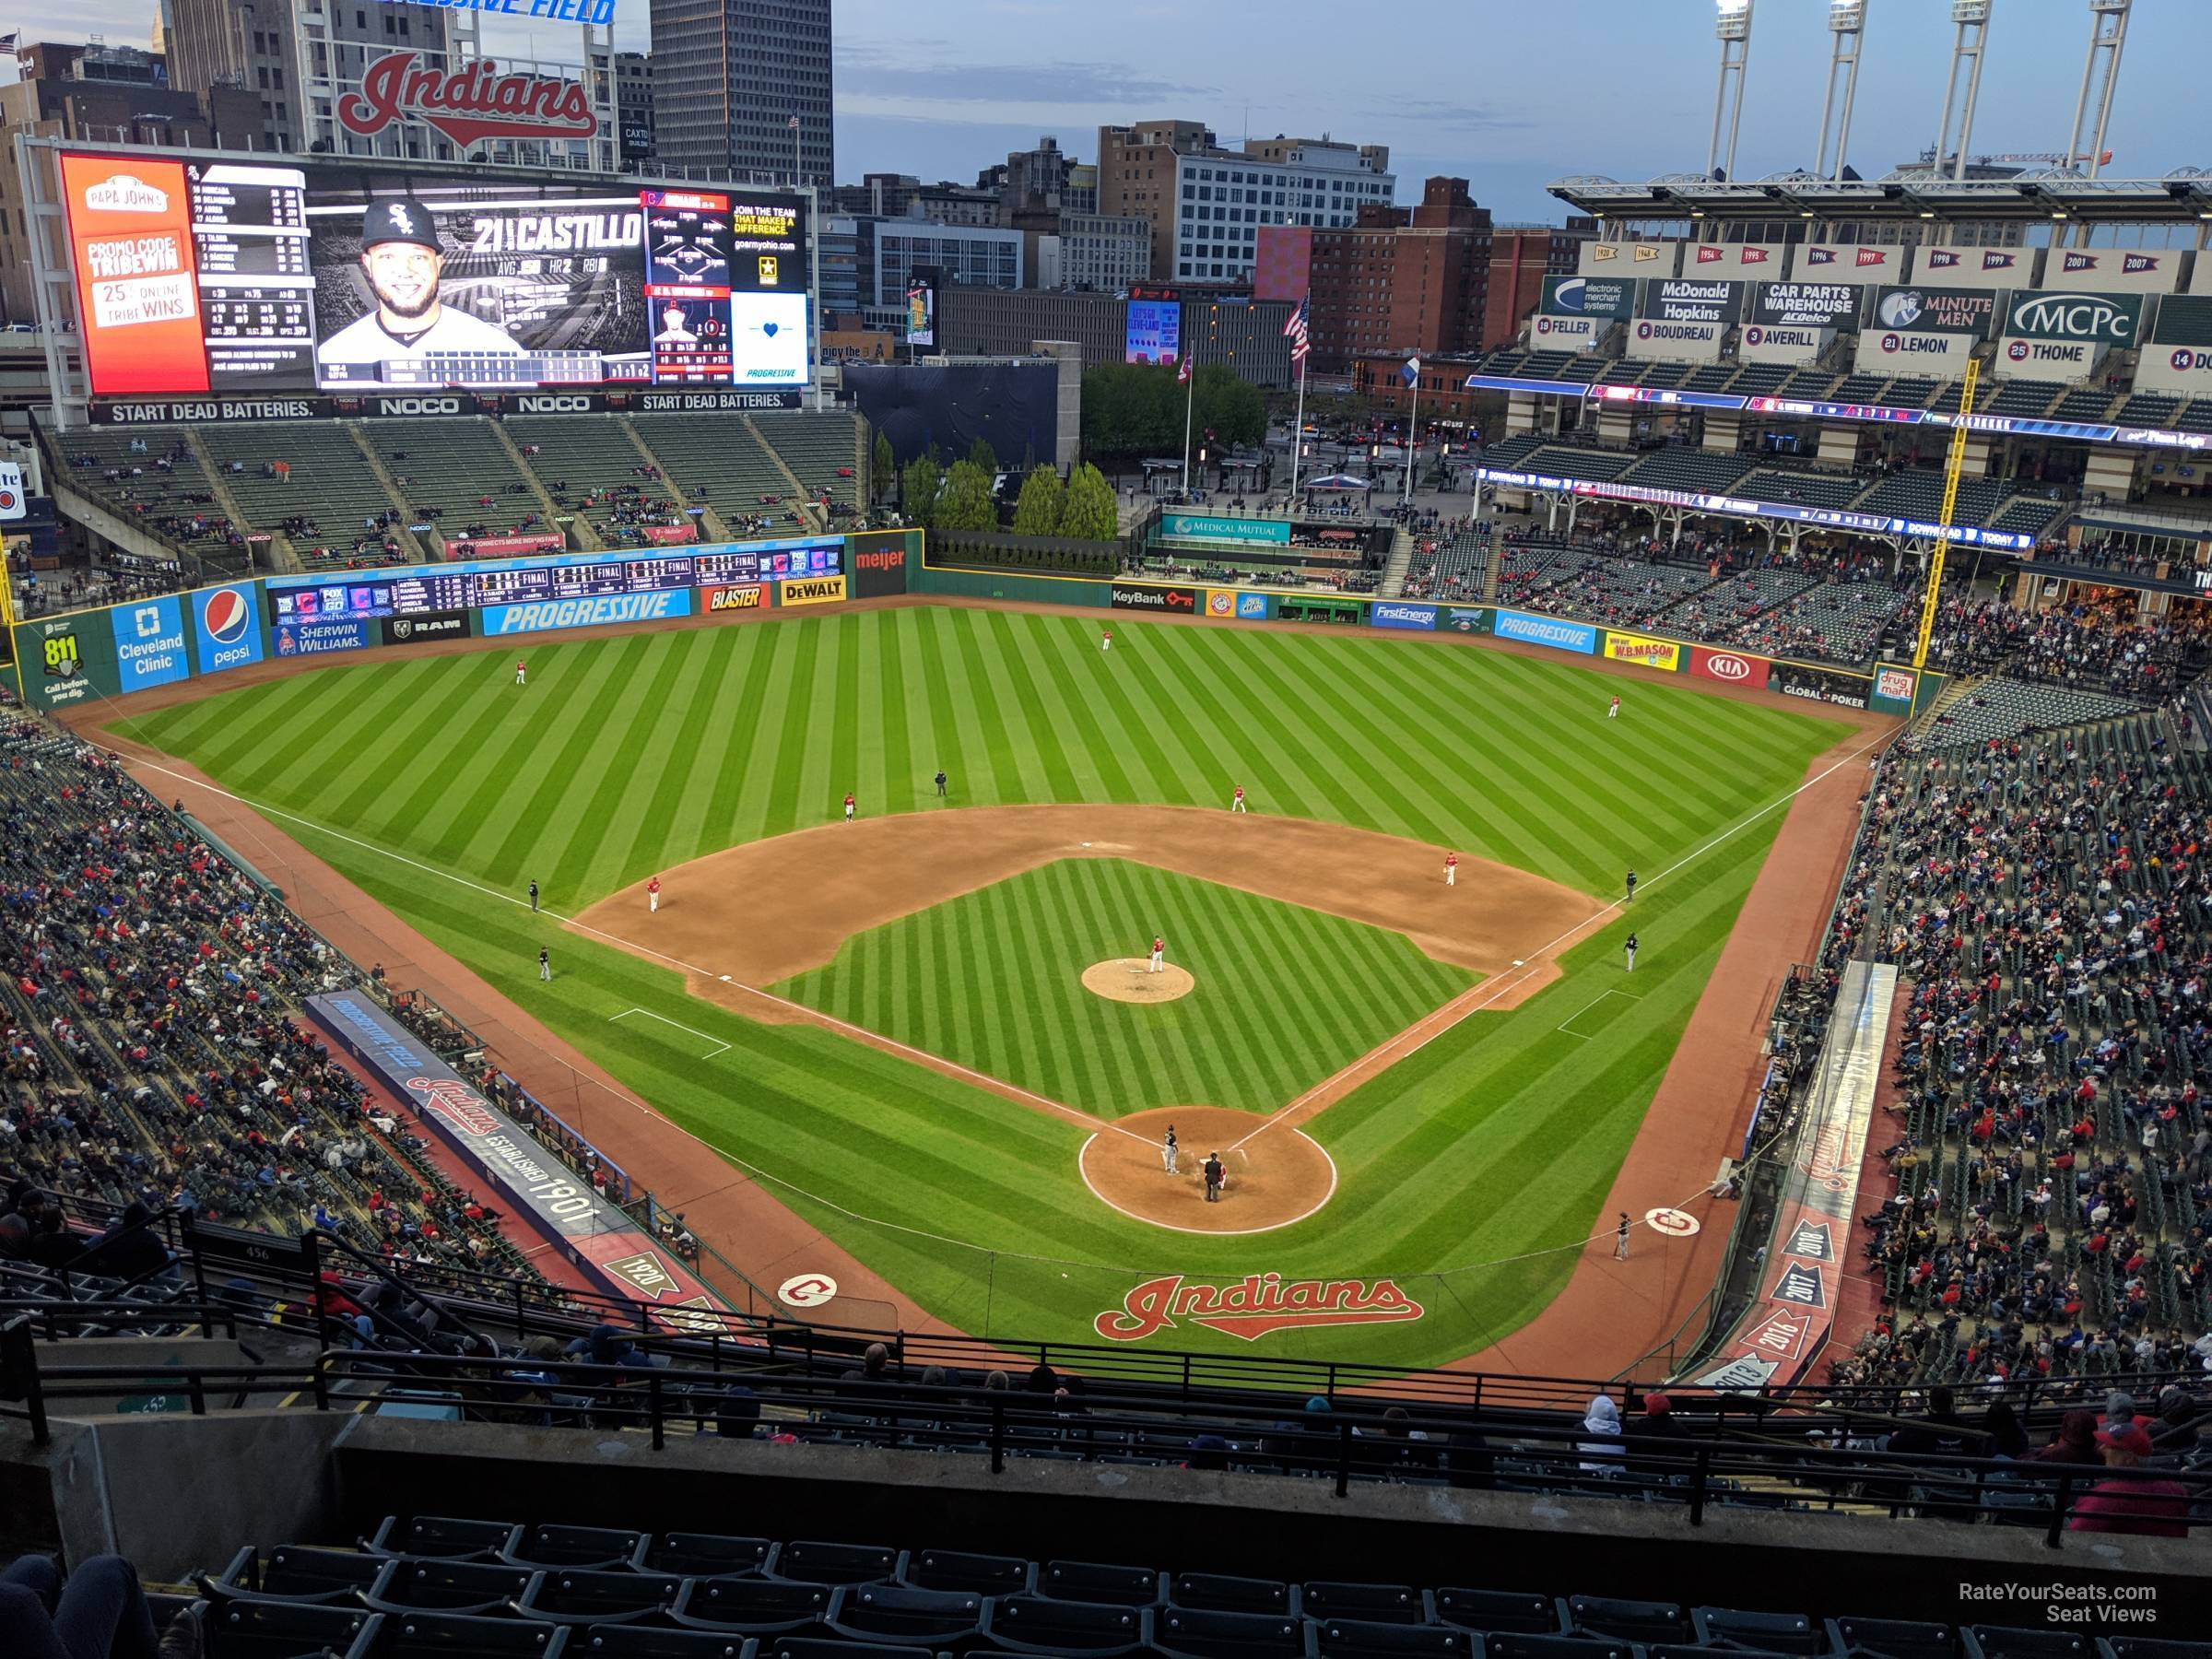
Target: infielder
{"type": "Point", "coordinates": [1236, 802]}
{"type": "Point", "coordinates": [1451, 869]}
{"type": "Point", "coordinates": [652, 896]}
{"type": "Point", "coordinates": [545, 963]}
{"type": "Point", "coordinates": [1632, 946]}
{"type": "Point", "coordinates": [1159, 956]}
{"type": "Point", "coordinates": [1167, 1149]}
{"type": "Point", "coordinates": [522, 674]}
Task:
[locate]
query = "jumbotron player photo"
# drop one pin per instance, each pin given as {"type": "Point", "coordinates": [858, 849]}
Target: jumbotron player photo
{"type": "Point", "coordinates": [403, 260]}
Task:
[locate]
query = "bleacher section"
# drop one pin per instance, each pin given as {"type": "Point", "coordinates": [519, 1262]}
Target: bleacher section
{"type": "Point", "coordinates": [456, 472]}
{"type": "Point", "coordinates": [717, 459]}
{"type": "Point", "coordinates": [1917, 494]}
{"type": "Point", "coordinates": [2029, 399]}
{"type": "Point", "coordinates": [1802, 486]}
{"type": "Point", "coordinates": [1837, 621]}
{"type": "Point", "coordinates": [324, 478]}
{"type": "Point", "coordinates": [822, 450]}
{"type": "Point", "coordinates": [2000, 708]}
{"type": "Point", "coordinates": [1707, 471]}
{"type": "Point", "coordinates": [161, 486]}
{"type": "Point", "coordinates": [590, 466]}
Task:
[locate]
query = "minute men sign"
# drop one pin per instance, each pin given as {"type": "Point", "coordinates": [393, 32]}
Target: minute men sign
{"type": "Point", "coordinates": [2096, 319]}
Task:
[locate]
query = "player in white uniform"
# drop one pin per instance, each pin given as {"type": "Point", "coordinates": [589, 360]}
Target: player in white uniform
{"type": "Point", "coordinates": [1159, 956]}
{"type": "Point", "coordinates": [403, 261]}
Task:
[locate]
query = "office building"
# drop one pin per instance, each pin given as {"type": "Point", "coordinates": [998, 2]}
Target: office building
{"type": "Point", "coordinates": [1521, 257]}
{"type": "Point", "coordinates": [742, 90]}
{"type": "Point", "coordinates": [867, 259]}
{"type": "Point", "coordinates": [633, 105]}
{"type": "Point", "coordinates": [1206, 203]}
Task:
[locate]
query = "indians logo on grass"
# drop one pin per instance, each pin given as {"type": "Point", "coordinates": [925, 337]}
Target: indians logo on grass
{"type": "Point", "coordinates": [1254, 1305]}
{"type": "Point", "coordinates": [454, 1101]}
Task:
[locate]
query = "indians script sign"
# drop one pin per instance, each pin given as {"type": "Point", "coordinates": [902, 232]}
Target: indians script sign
{"type": "Point", "coordinates": [467, 104]}
{"type": "Point", "coordinates": [1254, 1305]}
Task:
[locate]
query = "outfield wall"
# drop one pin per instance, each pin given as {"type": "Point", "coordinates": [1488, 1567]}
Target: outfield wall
{"type": "Point", "coordinates": [83, 656]}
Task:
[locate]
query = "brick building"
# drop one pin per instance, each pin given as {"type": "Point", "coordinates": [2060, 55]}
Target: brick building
{"type": "Point", "coordinates": [1400, 279]}
{"type": "Point", "coordinates": [1521, 257]}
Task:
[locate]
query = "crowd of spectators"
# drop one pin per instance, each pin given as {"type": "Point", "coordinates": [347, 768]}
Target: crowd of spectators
{"type": "Point", "coordinates": [2099, 643]}
{"type": "Point", "coordinates": [117, 580]}
{"type": "Point", "coordinates": [153, 1057]}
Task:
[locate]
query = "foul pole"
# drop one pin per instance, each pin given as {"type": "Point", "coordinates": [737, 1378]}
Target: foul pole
{"type": "Point", "coordinates": [1952, 467]}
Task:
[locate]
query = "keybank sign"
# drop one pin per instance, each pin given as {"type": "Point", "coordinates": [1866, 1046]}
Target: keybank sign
{"type": "Point", "coordinates": [2107, 319]}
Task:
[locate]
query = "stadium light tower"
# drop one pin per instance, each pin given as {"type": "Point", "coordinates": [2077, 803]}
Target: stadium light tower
{"type": "Point", "coordinates": [1734, 28]}
{"type": "Point", "coordinates": [1847, 23]}
{"type": "Point", "coordinates": [2108, 34]}
{"type": "Point", "coordinates": [1972, 18]}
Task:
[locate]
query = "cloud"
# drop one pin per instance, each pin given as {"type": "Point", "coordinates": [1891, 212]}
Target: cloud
{"type": "Point", "coordinates": [895, 74]}
{"type": "Point", "coordinates": [1447, 112]}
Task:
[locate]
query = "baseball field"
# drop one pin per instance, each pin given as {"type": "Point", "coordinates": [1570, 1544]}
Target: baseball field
{"type": "Point", "coordinates": [887, 1023]}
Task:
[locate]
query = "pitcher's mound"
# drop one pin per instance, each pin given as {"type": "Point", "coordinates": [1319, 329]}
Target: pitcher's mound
{"type": "Point", "coordinates": [1129, 979]}
{"type": "Point", "coordinates": [1275, 1178]}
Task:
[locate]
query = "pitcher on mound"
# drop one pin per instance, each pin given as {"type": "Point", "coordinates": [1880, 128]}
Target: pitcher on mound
{"type": "Point", "coordinates": [1159, 956]}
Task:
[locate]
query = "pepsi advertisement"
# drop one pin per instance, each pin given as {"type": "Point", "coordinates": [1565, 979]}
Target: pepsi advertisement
{"type": "Point", "coordinates": [225, 629]}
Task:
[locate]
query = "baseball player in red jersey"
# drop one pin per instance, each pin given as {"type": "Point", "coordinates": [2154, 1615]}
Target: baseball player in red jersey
{"type": "Point", "coordinates": [1451, 869]}
{"type": "Point", "coordinates": [652, 894]}
{"type": "Point", "coordinates": [1106, 640]}
{"type": "Point", "coordinates": [522, 673]}
{"type": "Point", "coordinates": [1236, 802]}
{"type": "Point", "coordinates": [848, 807]}
{"type": "Point", "coordinates": [1159, 956]}
{"type": "Point", "coordinates": [1614, 712]}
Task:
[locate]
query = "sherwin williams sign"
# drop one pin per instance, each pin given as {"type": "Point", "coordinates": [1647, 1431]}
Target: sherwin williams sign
{"type": "Point", "coordinates": [1547, 630]}
{"type": "Point", "coordinates": [1196, 526]}
{"type": "Point", "coordinates": [1642, 648]}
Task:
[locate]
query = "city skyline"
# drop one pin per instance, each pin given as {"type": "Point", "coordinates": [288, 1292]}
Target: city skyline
{"type": "Point", "coordinates": [933, 105]}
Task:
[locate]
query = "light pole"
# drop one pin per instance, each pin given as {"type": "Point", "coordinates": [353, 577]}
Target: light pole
{"type": "Point", "coordinates": [1733, 28]}
{"type": "Point", "coordinates": [1847, 23]}
{"type": "Point", "coordinates": [1972, 19]}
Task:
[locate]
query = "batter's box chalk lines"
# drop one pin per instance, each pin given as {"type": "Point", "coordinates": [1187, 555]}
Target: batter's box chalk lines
{"type": "Point", "coordinates": [720, 1047]}
{"type": "Point", "coordinates": [1587, 1007]}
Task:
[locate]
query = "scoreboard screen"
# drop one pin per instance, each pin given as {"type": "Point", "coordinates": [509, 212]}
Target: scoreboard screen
{"type": "Point", "coordinates": [420, 590]}
{"type": "Point", "coordinates": [198, 274]}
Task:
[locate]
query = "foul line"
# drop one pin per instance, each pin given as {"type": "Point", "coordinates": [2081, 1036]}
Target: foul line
{"type": "Point", "coordinates": [816, 1015]}
{"type": "Point", "coordinates": [720, 1047]}
{"type": "Point", "coordinates": [1482, 996]}
{"type": "Point", "coordinates": [1585, 1008]}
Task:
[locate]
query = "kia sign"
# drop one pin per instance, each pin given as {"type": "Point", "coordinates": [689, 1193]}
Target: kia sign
{"type": "Point", "coordinates": [1730, 667]}
{"type": "Point", "coordinates": [1805, 304]}
{"type": "Point", "coordinates": [225, 628]}
{"type": "Point", "coordinates": [2107, 320]}
{"type": "Point", "coordinates": [467, 104]}
{"type": "Point", "coordinates": [1607, 297]}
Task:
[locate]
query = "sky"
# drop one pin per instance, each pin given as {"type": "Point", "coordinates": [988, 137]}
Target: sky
{"type": "Point", "coordinates": [1510, 97]}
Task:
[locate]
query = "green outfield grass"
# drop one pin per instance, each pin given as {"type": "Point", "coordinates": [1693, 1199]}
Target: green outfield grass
{"type": "Point", "coordinates": [1285, 995]}
{"type": "Point", "coordinates": [630, 755]}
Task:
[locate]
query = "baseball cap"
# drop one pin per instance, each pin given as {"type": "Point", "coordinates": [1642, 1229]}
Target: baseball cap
{"type": "Point", "coordinates": [2130, 1439]}
{"type": "Point", "coordinates": [407, 221]}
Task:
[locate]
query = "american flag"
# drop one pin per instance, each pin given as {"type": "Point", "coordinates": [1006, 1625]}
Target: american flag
{"type": "Point", "coordinates": [1296, 331]}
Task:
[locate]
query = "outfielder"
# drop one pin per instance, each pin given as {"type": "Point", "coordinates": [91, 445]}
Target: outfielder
{"type": "Point", "coordinates": [1614, 712]}
{"type": "Point", "coordinates": [522, 674]}
{"type": "Point", "coordinates": [1167, 1149]}
{"type": "Point", "coordinates": [1159, 956]}
{"type": "Point", "coordinates": [1451, 869]}
{"type": "Point", "coordinates": [652, 896]}
{"type": "Point", "coordinates": [1106, 640]}
{"type": "Point", "coordinates": [1236, 803]}
{"type": "Point", "coordinates": [848, 806]}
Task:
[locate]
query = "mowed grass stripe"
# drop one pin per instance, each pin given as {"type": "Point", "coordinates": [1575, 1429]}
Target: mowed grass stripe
{"type": "Point", "coordinates": [734, 746]}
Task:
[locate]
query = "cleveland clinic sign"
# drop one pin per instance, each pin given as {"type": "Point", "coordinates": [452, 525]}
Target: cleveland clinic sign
{"type": "Point", "coordinates": [541, 11]}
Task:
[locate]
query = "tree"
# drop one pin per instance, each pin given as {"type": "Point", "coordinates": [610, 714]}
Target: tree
{"type": "Point", "coordinates": [920, 486]}
{"type": "Point", "coordinates": [980, 455]}
{"type": "Point", "coordinates": [1037, 510]}
{"type": "Point", "coordinates": [1090, 513]}
{"type": "Point", "coordinates": [882, 467]}
{"type": "Point", "coordinates": [1233, 407]}
{"type": "Point", "coordinates": [965, 503]}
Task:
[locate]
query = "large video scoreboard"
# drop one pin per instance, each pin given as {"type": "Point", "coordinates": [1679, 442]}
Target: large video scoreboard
{"type": "Point", "coordinates": [430, 590]}
{"type": "Point", "coordinates": [221, 275]}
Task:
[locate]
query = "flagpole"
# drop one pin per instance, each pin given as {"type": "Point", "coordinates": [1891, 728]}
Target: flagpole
{"type": "Point", "coordinates": [1413, 434]}
{"type": "Point", "coordinates": [1190, 396]}
{"type": "Point", "coordinates": [1298, 431]}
